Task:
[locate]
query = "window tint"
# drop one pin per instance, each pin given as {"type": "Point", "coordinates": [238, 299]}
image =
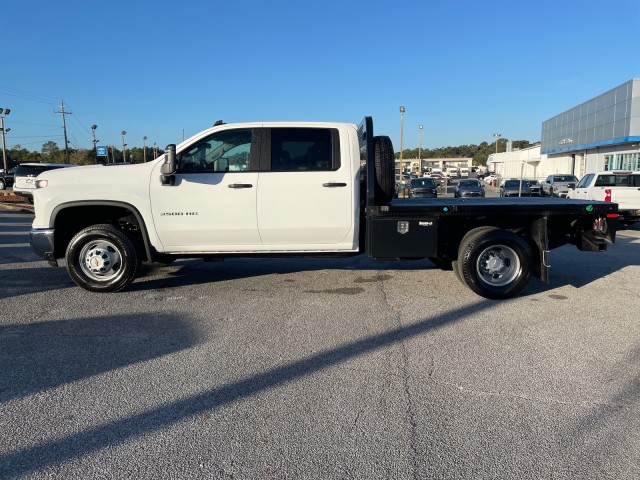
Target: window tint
{"type": "Point", "coordinates": [228, 151]}
{"type": "Point", "coordinates": [294, 149]}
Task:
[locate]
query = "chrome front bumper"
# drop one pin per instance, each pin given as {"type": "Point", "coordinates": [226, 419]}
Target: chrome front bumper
{"type": "Point", "coordinates": [42, 244]}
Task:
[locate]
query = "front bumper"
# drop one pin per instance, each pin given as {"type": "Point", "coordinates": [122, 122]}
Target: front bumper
{"type": "Point", "coordinates": [42, 244]}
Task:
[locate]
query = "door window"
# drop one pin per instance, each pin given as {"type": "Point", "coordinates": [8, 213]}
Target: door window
{"type": "Point", "coordinates": [227, 151]}
{"type": "Point", "coordinates": [300, 149]}
{"type": "Point", "coordinates": [585, 181]}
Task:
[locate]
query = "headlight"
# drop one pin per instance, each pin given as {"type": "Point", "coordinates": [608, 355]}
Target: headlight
{"type": "Point", "coordinates": [42, 183]}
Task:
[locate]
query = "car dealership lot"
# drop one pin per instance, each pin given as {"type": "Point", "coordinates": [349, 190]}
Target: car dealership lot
{"type": "Point", "coordinates": [305, 368]}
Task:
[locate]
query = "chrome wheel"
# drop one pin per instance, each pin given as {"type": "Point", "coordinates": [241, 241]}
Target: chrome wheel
{"type": "Point", "coordinates": [498, 265]}
{"type": "Point", "coordinates": [101, 260]}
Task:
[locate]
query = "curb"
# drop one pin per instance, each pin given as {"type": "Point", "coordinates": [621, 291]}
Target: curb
{"type": "Point", "coordinates": [15, 206]}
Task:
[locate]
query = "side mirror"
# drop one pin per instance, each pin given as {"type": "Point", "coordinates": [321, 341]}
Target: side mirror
{"type": "Point", "coordinates": [168, 168]}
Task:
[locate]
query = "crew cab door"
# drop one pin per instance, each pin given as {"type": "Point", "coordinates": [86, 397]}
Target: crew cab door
{"type": "Point", "coordinates": [306, 190]}
{"type": "Point", "coordinates": [212, 204]}
{"type": "Point", "coordinates": [582, 188]}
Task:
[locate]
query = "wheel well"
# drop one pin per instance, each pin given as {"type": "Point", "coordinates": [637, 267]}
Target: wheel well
{"type": "Point", "coordinates": [71, 220]}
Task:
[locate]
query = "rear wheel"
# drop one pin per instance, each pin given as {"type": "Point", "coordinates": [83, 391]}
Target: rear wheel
{"type": "Point", "coordinates": [495, 263]}
{"type": "Point", "coordinates": [384, 160]}
{"type": "Point", "coordinates": [2, 184]}
{"type": "Point", "coordinates": [101, 258]}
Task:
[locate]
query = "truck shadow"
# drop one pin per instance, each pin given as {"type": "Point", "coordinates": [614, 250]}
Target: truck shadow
{"type": "Point", "coordinates": [571, 267]}
{"type": "Point", "coordinates": [44, 355]}
{"type": "Point", "coordinates": [31, 459]}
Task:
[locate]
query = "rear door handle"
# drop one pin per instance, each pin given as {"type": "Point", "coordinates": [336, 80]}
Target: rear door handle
{"type": "Point", "coordinates": [240, 185]}
{"type": "Point", "coordinates": [334, 184]}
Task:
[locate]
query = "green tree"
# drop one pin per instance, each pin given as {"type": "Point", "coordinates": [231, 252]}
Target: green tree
{"type": "Point", "coordinates": [52, 153]}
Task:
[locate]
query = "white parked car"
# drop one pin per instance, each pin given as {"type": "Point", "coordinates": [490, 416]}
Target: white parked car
{"type": "Point", "coordinates": [24, 182]}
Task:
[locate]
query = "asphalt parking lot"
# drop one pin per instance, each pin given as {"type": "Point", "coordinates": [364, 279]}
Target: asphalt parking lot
{"type": "Point", "coordinates": [319, 369]}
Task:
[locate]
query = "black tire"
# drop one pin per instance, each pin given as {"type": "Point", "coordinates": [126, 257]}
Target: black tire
{"type": "Point", "coordinates": [101, 258]}
{"type": "Point", "coordinates": [495, 263]}
{"type": "Point", "coordinates": [384, 163]}
{"type": "Point", "coordinates": [2, 184]}
{"type": "Point", "coordinates": [551, 191]}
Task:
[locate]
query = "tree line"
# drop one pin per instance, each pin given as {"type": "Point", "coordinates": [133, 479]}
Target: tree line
{"type": "Point", "coordinates": [479, 153]}
{"type": "Point", "coordinates": [52, 153]}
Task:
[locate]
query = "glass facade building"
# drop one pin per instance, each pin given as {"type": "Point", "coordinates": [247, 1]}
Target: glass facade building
{"type": "Point", "coordinates": [612, 118]}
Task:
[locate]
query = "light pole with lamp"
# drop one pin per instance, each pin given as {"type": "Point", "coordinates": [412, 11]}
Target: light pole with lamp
{"type": "Point", "coordinates": [124, 152]}
{"type": "Point", "coordinates": [144, 149]}
{"type": "Point", "coordinates": [95, 142]}
{"type": "Point", "coordinates": [3, 113]}
{"type": "Point", "coordinates": [420, 152]}
{"type": "Point", "coordinates": [402, 110]}
{"type": "Point", "coordinates": [497, 137]}
{"type": "Point", "coordinates": [155, 151]}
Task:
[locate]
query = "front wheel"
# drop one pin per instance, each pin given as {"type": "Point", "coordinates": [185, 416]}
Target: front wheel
{"type": "Point", "coordinates": [2, 184]}
{"type": "Point", "coordinates": [495, 263]}
{"type": "Point", "coordinates": [101, 258]}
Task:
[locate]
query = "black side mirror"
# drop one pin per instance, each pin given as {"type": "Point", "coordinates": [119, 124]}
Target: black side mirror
{"type": "Point", "coordinates": [168, 168]}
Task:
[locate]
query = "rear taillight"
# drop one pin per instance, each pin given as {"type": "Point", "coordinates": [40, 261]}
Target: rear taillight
{"type": "Point", "coordinates": [607, 195]}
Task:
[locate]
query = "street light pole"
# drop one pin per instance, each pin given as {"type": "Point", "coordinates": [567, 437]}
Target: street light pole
{"type": "Point", "coordinates": [124, 152]}
{"type": "Point", "coordinates": [420, 152]}
{"type": "Point", "coordinates": [3, 113]}
{"type": "Point", "coordinates": [144, 149]}
{"type": "Point", "coordinates": [402, 110]}
{"type": "Point", "coordinates": [497, 137]}
{"type": "Point", "coordinates": [95, 142]}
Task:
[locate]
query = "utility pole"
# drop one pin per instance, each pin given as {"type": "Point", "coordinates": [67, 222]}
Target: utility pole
{"type": "Point", "coordinates": [64, 127]}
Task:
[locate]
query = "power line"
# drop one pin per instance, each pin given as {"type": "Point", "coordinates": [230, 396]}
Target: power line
{"type": "Point", "coordinates": [14, 92]}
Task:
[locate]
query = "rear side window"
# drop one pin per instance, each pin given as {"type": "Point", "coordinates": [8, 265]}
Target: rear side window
{"type": "Point", "coordinates": [304, 149]}
{"type": "Point", "coordinates": [33, 170]}
{"type": "Point", "coordinates": [618, 181]}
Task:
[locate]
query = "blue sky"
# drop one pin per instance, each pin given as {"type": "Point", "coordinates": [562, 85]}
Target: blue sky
{"type": "Point", "coordinates": [463, 69]}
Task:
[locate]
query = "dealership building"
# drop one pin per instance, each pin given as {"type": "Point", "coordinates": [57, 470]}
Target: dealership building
{"type": "Point", "coordinates": [600, 134]}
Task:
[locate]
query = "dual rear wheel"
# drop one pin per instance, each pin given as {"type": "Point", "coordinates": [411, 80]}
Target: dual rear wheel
{"type": "Point", "coordinates": [494, 263]}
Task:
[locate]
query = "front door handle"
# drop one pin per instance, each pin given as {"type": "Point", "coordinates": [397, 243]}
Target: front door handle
{"type": "Point", "coordinates": [240, 185]}
{"type": "Point", "coordinates": [334, 184]}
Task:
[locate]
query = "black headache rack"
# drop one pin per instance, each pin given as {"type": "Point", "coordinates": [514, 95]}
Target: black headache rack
{"type": "Point", "coordinates": [367, 165]}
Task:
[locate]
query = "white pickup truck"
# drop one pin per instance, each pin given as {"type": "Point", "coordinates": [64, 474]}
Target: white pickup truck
{"type": "Point", "coordinates": [293, 188]}
{"type": "Point", "coordinates": [621, 187]}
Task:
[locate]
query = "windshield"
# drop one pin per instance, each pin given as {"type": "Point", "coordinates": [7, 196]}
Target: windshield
{"type": "Point", "coordinates": [516, 184]}
{"type": "Point", "coordinates": [469, 183]}
{"type": "Point", "coordinates": [565, 178]}
{"type": "Point", "coordinates": [423, 182]}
